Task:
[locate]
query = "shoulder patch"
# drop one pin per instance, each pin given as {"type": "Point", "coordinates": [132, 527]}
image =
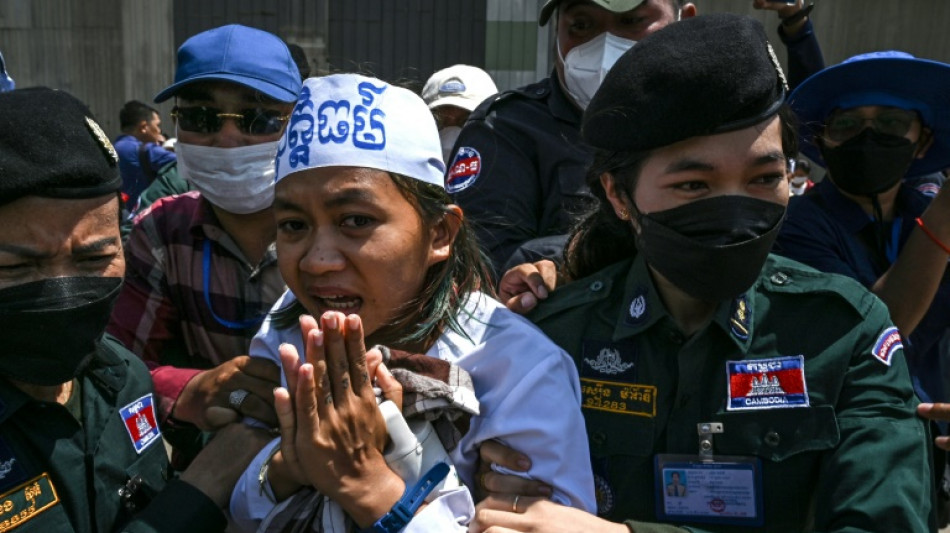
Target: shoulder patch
{"type": "Point", "coordinates": [140, 422]}
{"type": "Point", "coordinates": [464, 170]}
{"type": "Point", "coordinates": [885, 345]}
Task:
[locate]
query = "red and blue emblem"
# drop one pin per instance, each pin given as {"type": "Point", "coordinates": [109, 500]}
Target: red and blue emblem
{"type": "Point", "coordinates": [773, 383]}
{"type": "Point", "coordinates": [885, 346]}
{"type": "Point", "coordinates": [139, 419]}
{"type": "Point", "coordinates": [465, 169]}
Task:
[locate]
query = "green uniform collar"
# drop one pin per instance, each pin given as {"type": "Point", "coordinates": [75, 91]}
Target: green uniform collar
{"type": "Point", "coordinates": [642, 308]}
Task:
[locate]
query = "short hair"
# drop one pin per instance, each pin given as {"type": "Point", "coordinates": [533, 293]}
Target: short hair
{"type": "Point", "coordinates": [803, 164]}
{"type": "Point", "coordinates": [134, 112]}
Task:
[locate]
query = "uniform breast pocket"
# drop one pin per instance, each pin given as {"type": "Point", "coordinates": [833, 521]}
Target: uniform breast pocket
{"type": "Point", "coordinates": [778, 434]}
{"type": "Point", "coordinates": [144, 478]}
{"type": "Point", "coordinates": [618, 434]}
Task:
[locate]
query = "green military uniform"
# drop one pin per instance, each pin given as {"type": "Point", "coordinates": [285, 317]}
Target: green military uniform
{"type": "Point", "coordinates": [62, 467]}
{"type": "Point", "coordinates": [853, 456]}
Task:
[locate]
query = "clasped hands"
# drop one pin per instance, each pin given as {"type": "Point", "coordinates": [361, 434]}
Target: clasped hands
{"type": "Point", "coordinates": [332, 432]}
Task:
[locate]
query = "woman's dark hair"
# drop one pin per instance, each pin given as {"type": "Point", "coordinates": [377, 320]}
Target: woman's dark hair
{"type": "Point", "coordinates": [600, 238]}
{"type": "Point", "coordinates": [446, 287]}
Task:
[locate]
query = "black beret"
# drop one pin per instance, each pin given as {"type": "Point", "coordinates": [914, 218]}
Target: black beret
{"type": "Point", "coordinates": [700, 76]}
{"type": "Point", "coordinates": [51, 146]}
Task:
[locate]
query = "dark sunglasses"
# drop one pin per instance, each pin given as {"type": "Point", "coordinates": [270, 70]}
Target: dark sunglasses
{"type": "Point", "coordinates": [847, 124]}
{"type": "Point", "coordinates": [256, 121]}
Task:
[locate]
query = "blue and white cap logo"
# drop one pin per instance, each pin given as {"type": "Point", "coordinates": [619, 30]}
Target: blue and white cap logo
{"type": "Point", "coordinates": [452, 86]}
{"type": "Point", "coordinates": [356, 121]}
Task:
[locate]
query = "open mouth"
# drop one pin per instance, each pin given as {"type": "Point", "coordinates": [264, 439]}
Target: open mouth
{"type": "Point", "coordinates": [344, 304]}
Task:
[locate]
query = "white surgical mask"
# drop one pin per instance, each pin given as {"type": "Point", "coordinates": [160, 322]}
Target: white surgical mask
{"type": "Point", "coordinates": [239, 180]}
{"type": "Point", "coordinates": [585, 66]}
{"type": "Point", "coordinates": [448, 135]}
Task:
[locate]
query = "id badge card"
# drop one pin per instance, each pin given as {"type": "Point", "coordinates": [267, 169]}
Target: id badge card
{"type": "Point", "coordinates": [727, 490]}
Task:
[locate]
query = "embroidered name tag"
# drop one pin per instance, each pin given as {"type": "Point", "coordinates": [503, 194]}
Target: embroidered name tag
{"type": "Point", "coordinates": [614, 397]}
{"type": "Point", "coordinates": [885, 346]}
{"type": "Point", "coordinates": [766, 383]}
{"type": "Point", "coordinates": [139, 419]}
{"type": "Point", "coordinates": [26, 502]}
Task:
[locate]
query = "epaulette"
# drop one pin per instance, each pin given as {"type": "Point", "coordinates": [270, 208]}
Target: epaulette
{"type": "Point", "coordinates": [784, 275]}
{"type": "Point", "coordinates": [535, 91]}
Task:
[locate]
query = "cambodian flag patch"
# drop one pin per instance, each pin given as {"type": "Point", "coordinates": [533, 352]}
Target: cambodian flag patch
{"type": "Point", "coordinates": [139, 419]}
{"type": "Point", "coordinates": [773, 383]}
{"type": "Point", "coordinates": [885, 346]}
{"type": "Point", "coordinates": [465, 169]}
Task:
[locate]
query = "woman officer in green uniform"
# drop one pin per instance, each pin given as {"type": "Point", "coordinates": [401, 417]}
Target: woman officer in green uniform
{"type": "Point", "coordinates": [687, 334]}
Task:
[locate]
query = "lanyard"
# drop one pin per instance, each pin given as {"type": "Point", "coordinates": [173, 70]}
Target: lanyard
{"type": "Point", "coordinates": [893, 244]}
{"type": "Point", "coordinates": [206, 267]}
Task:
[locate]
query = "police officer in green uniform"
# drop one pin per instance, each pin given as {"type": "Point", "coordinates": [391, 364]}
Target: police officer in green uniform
{"type": "Point", "coordinates": [688, 335]}
{"type": "Point", "coordinates": [80, 447]}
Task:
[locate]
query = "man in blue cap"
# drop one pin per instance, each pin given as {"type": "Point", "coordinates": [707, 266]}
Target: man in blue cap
{"type": "Point", "coordinates": [870, 129]}
{"type": "Point", "coordinates": [202, 268]}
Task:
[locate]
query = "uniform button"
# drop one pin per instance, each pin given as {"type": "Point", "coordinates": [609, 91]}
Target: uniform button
{"type": "Point", "coordinates": [598, 437]}
{"type": "Point", "coordinates": [772, 438]}
{"type": "Point", "coordinates": [597, 285]}
{"type": "Point", "coordinates": [781, 278]}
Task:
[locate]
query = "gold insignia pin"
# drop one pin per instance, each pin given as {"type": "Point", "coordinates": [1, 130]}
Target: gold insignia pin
{"type": "Point", "coordinates": [103, 140]}
{"type": "Point", "coordinates": [778, 66]}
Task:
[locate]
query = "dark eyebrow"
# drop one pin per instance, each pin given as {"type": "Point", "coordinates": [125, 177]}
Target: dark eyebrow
{"type": "Point", "coordinates": [346, 197]}
{"type": "Point", "coordinates": [770, 158]}
{"type": "Point", "coordinates": [687, 164]}
{"type": "Point", "coordinates": [21, 251]}
{"type": "Point", "coordinates": [96, 246]}
{"type": "Point", "coordinates": [89, 248]}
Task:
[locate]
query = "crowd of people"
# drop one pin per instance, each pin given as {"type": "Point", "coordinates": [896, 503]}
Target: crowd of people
{"type": "Point", "coordinates": [612, 300]}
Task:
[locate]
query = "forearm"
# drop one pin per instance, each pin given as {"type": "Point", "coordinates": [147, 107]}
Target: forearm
{"type": "Point", "coordinates": [910, 284]}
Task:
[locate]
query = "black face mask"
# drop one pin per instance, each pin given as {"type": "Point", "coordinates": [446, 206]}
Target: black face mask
{"type": "Point", "coordinates": [711, 249]}
{"type": "Point", "coordinates": [869, 163]}
{"type": "Point", "coordinates": [52, 327]}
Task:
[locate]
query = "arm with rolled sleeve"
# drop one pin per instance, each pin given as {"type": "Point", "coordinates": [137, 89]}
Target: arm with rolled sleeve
{"type": "Point", "coordinates": [804, 53]}
{"type": "Point", "coordinates": [145, 319]}
{"type": "Point", "coordinates": [512, 413]}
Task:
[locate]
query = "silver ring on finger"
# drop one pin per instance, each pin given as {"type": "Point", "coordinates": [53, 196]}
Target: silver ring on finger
{"type": "Point", "coordinates": [514, 504]}
{"type": "Point", "coordinates": [236, 398]}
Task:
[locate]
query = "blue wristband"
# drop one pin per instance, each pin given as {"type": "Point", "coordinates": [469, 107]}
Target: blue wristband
{"type": "Point", "coordinates": [403, 510]}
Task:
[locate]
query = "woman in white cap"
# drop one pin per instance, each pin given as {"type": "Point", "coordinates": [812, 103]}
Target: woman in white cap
{"type": "Point", "coordinates": [370, 245]}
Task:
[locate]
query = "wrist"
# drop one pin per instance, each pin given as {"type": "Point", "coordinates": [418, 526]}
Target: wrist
{"type": "Point", "coordinates": [372, 500]}
{"type": "Point", "coordinates": [795, 20]}
{"type": "Point", "coordinates": [184, 407]}
{"type": "Point", "coordinates": [280, 476]}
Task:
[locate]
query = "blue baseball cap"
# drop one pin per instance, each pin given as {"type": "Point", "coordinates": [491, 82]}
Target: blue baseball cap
{"type": "Point", "coordinates": [887, 78]}
{"type": "Point", "coordinates": [239, 54]}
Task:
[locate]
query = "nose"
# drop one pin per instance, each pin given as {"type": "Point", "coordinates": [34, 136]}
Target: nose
{"type": "Point", "coordinates": [230, 135]}
{"type": "Point", "coordinates": [323, 256]}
